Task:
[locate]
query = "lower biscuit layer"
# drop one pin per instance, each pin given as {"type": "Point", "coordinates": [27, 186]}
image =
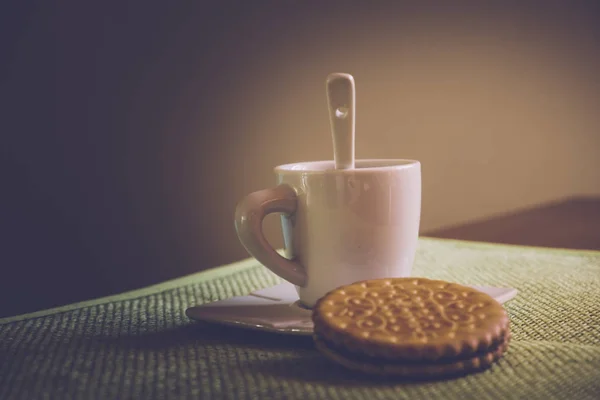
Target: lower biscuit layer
{"type": "Point", "coordinates": [408, 369]}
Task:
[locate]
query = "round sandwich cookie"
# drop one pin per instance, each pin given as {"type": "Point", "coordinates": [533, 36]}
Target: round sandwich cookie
{"type": "Point", "coordinates": [411, 327]}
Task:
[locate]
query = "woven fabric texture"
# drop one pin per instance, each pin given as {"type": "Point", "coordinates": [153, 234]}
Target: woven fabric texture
{"type": "Point", "coordinates": [140, 345]}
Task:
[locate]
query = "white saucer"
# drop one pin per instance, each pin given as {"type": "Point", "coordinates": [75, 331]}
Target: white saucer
{"type": "Point", "coordinates": [274, 309]}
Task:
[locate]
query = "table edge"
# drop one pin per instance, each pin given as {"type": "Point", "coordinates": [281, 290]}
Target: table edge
{"type": "Point", "coordinates": [238, 266]}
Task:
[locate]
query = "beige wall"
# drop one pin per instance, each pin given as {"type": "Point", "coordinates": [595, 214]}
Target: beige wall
{"type": "Point", "coordinates": [130, 136]}
{"type": "Point", "coordinates": [500, 107]}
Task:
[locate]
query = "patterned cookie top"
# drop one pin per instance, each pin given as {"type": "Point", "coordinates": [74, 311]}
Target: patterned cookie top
{"type": "Point", "coordinates": [412, 318]}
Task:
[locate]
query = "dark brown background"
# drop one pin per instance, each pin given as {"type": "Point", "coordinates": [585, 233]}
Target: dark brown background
{"type": "Point", "coordinates": [131, 129]}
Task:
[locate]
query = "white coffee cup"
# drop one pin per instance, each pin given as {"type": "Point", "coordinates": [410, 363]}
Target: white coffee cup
{"type": "Point", "coordinates": [339, 226]}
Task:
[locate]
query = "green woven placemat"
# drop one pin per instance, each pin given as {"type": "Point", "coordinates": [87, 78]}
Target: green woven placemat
{"type": "Point", "coordinates": [140, 345]}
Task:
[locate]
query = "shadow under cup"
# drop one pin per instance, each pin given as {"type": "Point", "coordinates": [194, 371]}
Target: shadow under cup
{"type": "Point", "coordinates": [351, 225]}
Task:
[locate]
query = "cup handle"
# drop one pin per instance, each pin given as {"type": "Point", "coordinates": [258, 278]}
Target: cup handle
{"type": "Point", "coordinates": [249, 216]}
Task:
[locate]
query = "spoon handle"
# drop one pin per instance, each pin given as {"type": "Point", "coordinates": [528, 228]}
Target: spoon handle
{"type": "Point", "coordinates": [341, 98]}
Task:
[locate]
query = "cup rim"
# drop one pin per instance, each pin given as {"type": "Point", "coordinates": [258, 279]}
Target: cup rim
{"type": "Point", "coordinates": [367, 165]}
